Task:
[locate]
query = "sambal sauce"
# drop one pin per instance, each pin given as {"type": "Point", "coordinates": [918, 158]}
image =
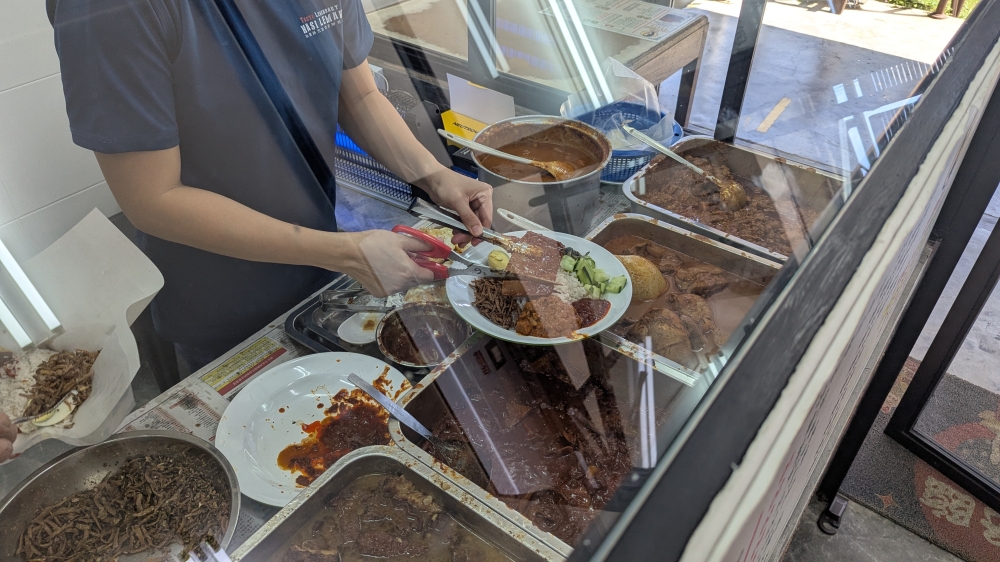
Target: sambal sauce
{"type": "Point", "coordinates": [590, 311]}
{"type": "Point", "coordinates": [352, 427]}
{"type": "Point", "coordinates": [352, 421]}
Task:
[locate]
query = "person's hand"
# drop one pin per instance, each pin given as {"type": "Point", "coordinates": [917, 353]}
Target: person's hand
{"type": "Point", "coordinates": [382, 262]}
{"type": "Point", "coordinates": [471, 199]}
{"type": "Point", "coordinates": [8, 433]}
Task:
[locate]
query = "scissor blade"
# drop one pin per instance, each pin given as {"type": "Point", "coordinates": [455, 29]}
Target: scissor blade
{"type": "Point", "coordinates": [481, 271]}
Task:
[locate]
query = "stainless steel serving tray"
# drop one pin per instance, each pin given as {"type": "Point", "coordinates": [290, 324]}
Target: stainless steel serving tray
{"type": "Point", "coordinates": [808, 188]}
{"type": "Point", "coordinates": [470, 511]}
{"type": "Point", "coordinates": [82, 469]}
{"type": "Point", "coordinates": [741, 263]}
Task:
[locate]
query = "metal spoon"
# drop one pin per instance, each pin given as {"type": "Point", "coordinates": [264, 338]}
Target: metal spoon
{"type": "Point", "coordinates": [402, 416]}
{"type": "Point", "coordinates": [53, 415]}
{"type": "Point", "coordinates": [561, 171]}
{"type": "Point", "coordinates": [731, 194]}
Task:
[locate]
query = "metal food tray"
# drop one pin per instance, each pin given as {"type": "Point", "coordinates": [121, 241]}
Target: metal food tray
{"type": "Point", "coordinates": [809, 188]}
{"type": "Point", "coordinates": [740, 263]}
{"type": "Point", "coordinates": [426, 402]}
{"type": "Point", "coordinates": [472, 513]}
{"type": "Point", "coordinates": [519, 521]}
{"type": "Point", "coordinates": [302, 326]}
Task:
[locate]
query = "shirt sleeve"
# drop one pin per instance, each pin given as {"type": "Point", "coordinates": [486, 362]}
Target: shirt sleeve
{"type": "Point", "coordinates": [358, 36]}
{"type": "Point", "coordinates": [115, 57]}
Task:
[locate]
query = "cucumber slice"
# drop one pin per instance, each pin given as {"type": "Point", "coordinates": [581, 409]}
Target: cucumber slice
{"type": "Point", "coordinates": [616, 284]}
{"type": "Point", "coordinates": [567, 263]}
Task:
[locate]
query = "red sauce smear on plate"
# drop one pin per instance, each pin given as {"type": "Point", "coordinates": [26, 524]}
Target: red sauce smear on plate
{"type": "Point", "coordinates": [353, 421]}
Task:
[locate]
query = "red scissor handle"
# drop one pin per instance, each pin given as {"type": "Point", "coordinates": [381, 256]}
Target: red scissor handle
{"type": "Point", "coordinates": [440, 271]}
{"type": "Point", "coordinates": [438, 248]}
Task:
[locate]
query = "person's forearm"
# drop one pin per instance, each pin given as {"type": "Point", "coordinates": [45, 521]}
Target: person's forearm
{"type": "Point", "coordinates": [217, 224]}
{"type": "Point", "coordinates": [375, 125]}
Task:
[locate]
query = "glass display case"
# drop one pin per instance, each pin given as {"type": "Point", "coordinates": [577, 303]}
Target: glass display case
{"type": "Point", "coordinates": [587, 378]}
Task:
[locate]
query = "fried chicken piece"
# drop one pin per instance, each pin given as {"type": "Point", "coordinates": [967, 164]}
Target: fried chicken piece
{"type": "Point", "coordinates": [701, 279]}
{"type": "Point", "coordinates": [669, 264]}
{"type": "Point", "coordinates": [698, 318]}
{"type": "Point", "coordinates": [668, 335]}
{"type": "Point", "coordinates": [547, 317]}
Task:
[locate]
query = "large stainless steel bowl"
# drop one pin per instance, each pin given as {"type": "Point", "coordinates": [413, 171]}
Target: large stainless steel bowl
{"type": "Point", "coordinates": [82, 469]}
{"type": "Point", "coordinates": [567, 206]}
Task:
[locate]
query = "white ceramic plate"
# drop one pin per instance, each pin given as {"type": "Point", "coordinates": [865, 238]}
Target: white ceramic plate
{"type": "Point", "coordinates": [253, 430]}
{"type": "Point", "coordinates": [353, 330]}
{"type": "Point", "coordinates": [461, 296]}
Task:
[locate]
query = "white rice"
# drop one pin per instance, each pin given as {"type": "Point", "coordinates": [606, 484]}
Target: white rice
{"type": "Point", "coordinates": [568, 287]}
{"type": "Point", "coordinates": [12, 390]}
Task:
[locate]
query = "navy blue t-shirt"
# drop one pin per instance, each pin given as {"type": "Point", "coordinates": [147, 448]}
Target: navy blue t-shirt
{"type": "Point", "coordinates": [142, 75]}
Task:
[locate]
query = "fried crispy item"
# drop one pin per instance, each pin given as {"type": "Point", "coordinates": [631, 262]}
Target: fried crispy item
{"type": "Point", "coordinates": [146, 505]}
{"type": "Point", "coordinates": [698, 319]}
{"type": "Point", "coordinates": [537, 270]}
{"type": "Point", "coordinates": [667, 334]}
{"type": "Point", "coordinates": [701, 279]}
{"type": "Point", "coordinates": [547, 317]}
{"type": "Point", "coordinates": [63, 372]}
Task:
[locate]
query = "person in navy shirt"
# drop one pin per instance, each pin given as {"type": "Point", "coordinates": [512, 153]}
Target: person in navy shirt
{"type": "Point", "coordinates": [200, 157]}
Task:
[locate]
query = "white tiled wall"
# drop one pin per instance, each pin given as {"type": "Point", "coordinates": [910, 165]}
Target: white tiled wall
{"type": "Point", "coordinates": [47, 184]}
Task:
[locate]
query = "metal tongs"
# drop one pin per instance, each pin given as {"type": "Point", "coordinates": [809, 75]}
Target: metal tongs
{"type": "Point", "coordinates": [432, 212]}
{"type": "Point", "coordinates": [344, 300]}
{"type": "Point", "coordinates": [440, 250]}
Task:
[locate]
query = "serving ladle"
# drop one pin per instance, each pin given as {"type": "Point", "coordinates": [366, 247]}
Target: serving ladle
{"type": "Point", "coordinates": [561, 171]}
{"type": "Point", "coordinates": [732, 196]}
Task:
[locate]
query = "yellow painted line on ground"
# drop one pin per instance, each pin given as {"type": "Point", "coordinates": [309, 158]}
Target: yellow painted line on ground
{"type": "Point", "coordinates": [773, 116]}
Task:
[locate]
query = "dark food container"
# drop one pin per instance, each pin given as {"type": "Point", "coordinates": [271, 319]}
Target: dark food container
{"type": "Point", "coordinates": [271, 539]}
{"type": "Point", "coordinates": [800, 193]}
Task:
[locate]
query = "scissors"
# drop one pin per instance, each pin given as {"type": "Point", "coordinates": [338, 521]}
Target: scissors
{"type": "Point", "coordinates": [440, 250]}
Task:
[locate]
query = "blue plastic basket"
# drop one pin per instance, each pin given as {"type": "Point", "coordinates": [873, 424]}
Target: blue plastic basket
{"type": "Point", "coordinates": [624, 163]}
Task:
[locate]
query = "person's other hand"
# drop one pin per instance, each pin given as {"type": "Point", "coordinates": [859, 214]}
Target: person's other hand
{"type": "Point", "coordinates": [471, 199]}
{"type": "Point", "coordinates": [383, 264]}
{"type": "Point", "coordinates": [8, 433]}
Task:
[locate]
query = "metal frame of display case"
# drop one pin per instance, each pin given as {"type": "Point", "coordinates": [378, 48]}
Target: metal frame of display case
{"type": "Point", "coordinates": [698, 464]}
{"type": "Point", "coordinates": [967, 200]}
{"type": "Point", "coordinates": [975, 292]}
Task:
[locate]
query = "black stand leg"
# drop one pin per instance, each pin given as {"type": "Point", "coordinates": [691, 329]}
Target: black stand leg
{"type": "Point", "coordinates": [683, 109]}
{"type": "Point", "coordinates": [829, 520]}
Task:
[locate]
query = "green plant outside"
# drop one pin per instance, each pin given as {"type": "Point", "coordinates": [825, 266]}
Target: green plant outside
{"type": "Point", "coordinates": [931, 5]}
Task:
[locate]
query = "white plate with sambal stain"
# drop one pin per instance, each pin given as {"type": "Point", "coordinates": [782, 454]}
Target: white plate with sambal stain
{"type": "Point", "coordinates": [461, 295]}
{"type": "Point", "coordinates": [286, 407]}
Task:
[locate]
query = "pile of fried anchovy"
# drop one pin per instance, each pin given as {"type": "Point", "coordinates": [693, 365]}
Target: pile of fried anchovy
{"type": "Point", "coordinates": [57, 376]}
{"type": "Point", "coordinates": [148, 504]}
{"type": "Point", "coordinates": [490, 301]}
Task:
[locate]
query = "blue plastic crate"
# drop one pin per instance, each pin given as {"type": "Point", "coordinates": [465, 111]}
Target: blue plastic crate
{"type": "Point", "coordinates": [624, 163]}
